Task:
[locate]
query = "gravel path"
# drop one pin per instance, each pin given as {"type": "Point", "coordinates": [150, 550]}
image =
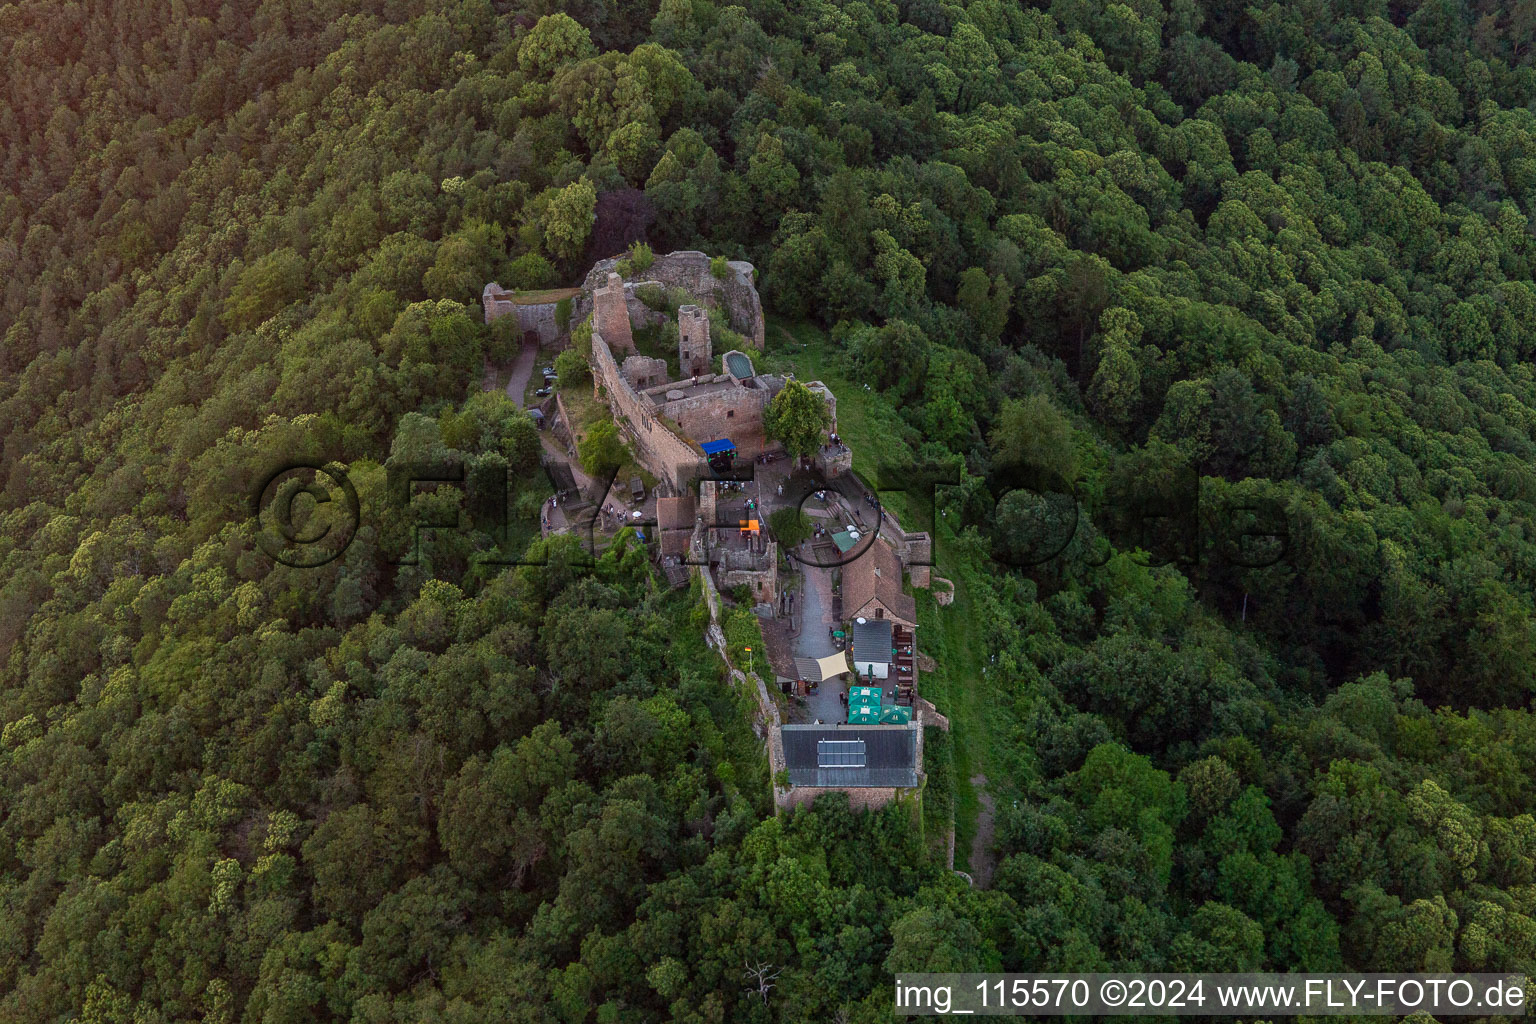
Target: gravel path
{"type": "Point", "coordinates": [981, 846]}
{"type": "Point", "coordinates": [522, 370]}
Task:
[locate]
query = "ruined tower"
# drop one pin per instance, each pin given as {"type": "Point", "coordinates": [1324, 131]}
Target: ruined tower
{"type": "Point", "coordinates": [693, 346]}
{"type": "Point", "coordinates": [610, 316]}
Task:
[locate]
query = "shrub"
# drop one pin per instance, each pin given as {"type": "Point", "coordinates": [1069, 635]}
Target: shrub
{"type": "Point", "coordinates": [654, 296]}
{"type": "Point", "coordinates": [529, 504]}
{"type": "Point", "coordinates": [563, 315]}
{"type": "Point", "coordinates": [572, 369]}
{"type": "Point", "coordinates": [581, 338]}
{"type": "Point", "coordinates": [720, 267]}
{"type": "Point", "coordinates": [637, 261]}
{"type": "Point", "coordinates": [504, 341]}
{"type": "Point", "coordinates": [725, 337]}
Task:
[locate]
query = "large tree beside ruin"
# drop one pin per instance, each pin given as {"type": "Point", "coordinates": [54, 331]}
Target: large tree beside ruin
{"type": "Point", "coordinates": [798, 417]}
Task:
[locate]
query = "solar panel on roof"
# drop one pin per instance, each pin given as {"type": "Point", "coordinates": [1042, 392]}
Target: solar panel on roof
{"type": "Point", "coordinates": [840, 753]}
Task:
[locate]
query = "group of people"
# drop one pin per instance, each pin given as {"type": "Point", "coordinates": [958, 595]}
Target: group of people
{"type": "Point", "coordinates": [552, 503]}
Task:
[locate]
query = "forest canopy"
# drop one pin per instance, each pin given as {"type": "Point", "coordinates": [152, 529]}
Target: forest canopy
{"type": "Point", "coordinates": [1269, 261]}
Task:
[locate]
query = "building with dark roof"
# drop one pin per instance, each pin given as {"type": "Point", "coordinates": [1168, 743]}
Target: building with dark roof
{"type": "Point", "coordinates": [872, 647]}
{"type": "Point", "coordinates": [852, 757]}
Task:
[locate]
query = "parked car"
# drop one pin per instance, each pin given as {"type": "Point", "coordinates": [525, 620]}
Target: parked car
{"type": "Point", "coordinates": [543, 392]}
{"type": "Point", "coordinates": [549, 371]}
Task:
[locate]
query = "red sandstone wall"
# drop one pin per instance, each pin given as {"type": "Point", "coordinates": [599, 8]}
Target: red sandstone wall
{"type": "Point", "coordinates": [662, 452]}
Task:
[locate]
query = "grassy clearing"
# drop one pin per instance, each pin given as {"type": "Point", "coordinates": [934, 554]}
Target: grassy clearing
{"type": "Point", "coordinates": [544, 296]}
{"type": "Point", "coordinates": [584, 409]}
{"type": "Point", "coordinates": [939, 793]}
{"type": "Point", "coordinates": [865, 420]}
{"type": "Point", "coordinates": [957, 687]}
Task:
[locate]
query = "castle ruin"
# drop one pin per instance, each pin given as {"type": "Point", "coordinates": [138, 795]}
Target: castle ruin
{"type": "Point", "coordinates": [734, 294]}
{"type": "Point", "coordinates": [610, 315]}
{"type": "Point", "coordinates": [693, 344]}
{"type": "Point", "coordinates": [537, 318]}
{"type": "Point", "coordinates": [702, 405]}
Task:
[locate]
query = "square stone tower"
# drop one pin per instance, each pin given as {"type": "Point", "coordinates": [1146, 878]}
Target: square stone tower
{"type": "Point", "coordinates": [694, 354]}
{"type": "Point", "coordinates": [610, 315]}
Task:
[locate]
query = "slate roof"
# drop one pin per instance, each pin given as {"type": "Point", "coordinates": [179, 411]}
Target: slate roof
{"type": "Point", "coordinates": [872, 640]}
{"type": "Point", "coordinates": [876, 574]}
{"type": "Point", "coordinates": [887, 758]}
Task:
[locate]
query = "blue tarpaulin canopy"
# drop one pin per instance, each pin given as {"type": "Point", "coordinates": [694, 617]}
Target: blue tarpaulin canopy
{"type": "Point", "coordinates": [716, 447]}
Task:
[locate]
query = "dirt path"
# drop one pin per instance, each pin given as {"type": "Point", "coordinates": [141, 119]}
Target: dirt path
{"type": "Point", "coordinates": [981, 845]}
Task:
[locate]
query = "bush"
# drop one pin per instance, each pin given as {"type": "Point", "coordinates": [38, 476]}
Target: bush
{"type": "Point", "coordinates": [601, 451]}
{"type": "Point", "coordinates": [654, 296]}
{"type": "Point", "coordinates": [637, 261]}
{"type": "Point", "coordinates": [725, 336]}
{"type": "Point", "coordinates": [529, 504]}
{"type": "Point", "coordinates": [572, 369]}
{"type": "Point", "coordinates": [720, 267]}
{"type": "Point", "coordinates": [581, 338]}
{"type": "Point", "coordinates": [563, 315]}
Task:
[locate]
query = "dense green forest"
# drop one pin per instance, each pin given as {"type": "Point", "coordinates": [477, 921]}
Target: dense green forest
{"type": "Point", "coordinates": [1276, 254]}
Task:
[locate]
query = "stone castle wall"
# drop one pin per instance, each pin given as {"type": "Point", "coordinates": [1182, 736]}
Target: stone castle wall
{"type": "Point", "coordinates": [689, 270]}
{"type": "Point", "coordinates": [761, 578]}
{"type": "Point", "coordinates": [734, 412]}
{"type": "Point", "coordinates": [644, 372]}
{"type": "Point", "coordinates": [610, 316]}
{"type": "Point", "coordinates": [927, 714]}
{"type": "Point", "coordinates": [665, 455]}
{"type": "Point", "coordinates": [538, 318]}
